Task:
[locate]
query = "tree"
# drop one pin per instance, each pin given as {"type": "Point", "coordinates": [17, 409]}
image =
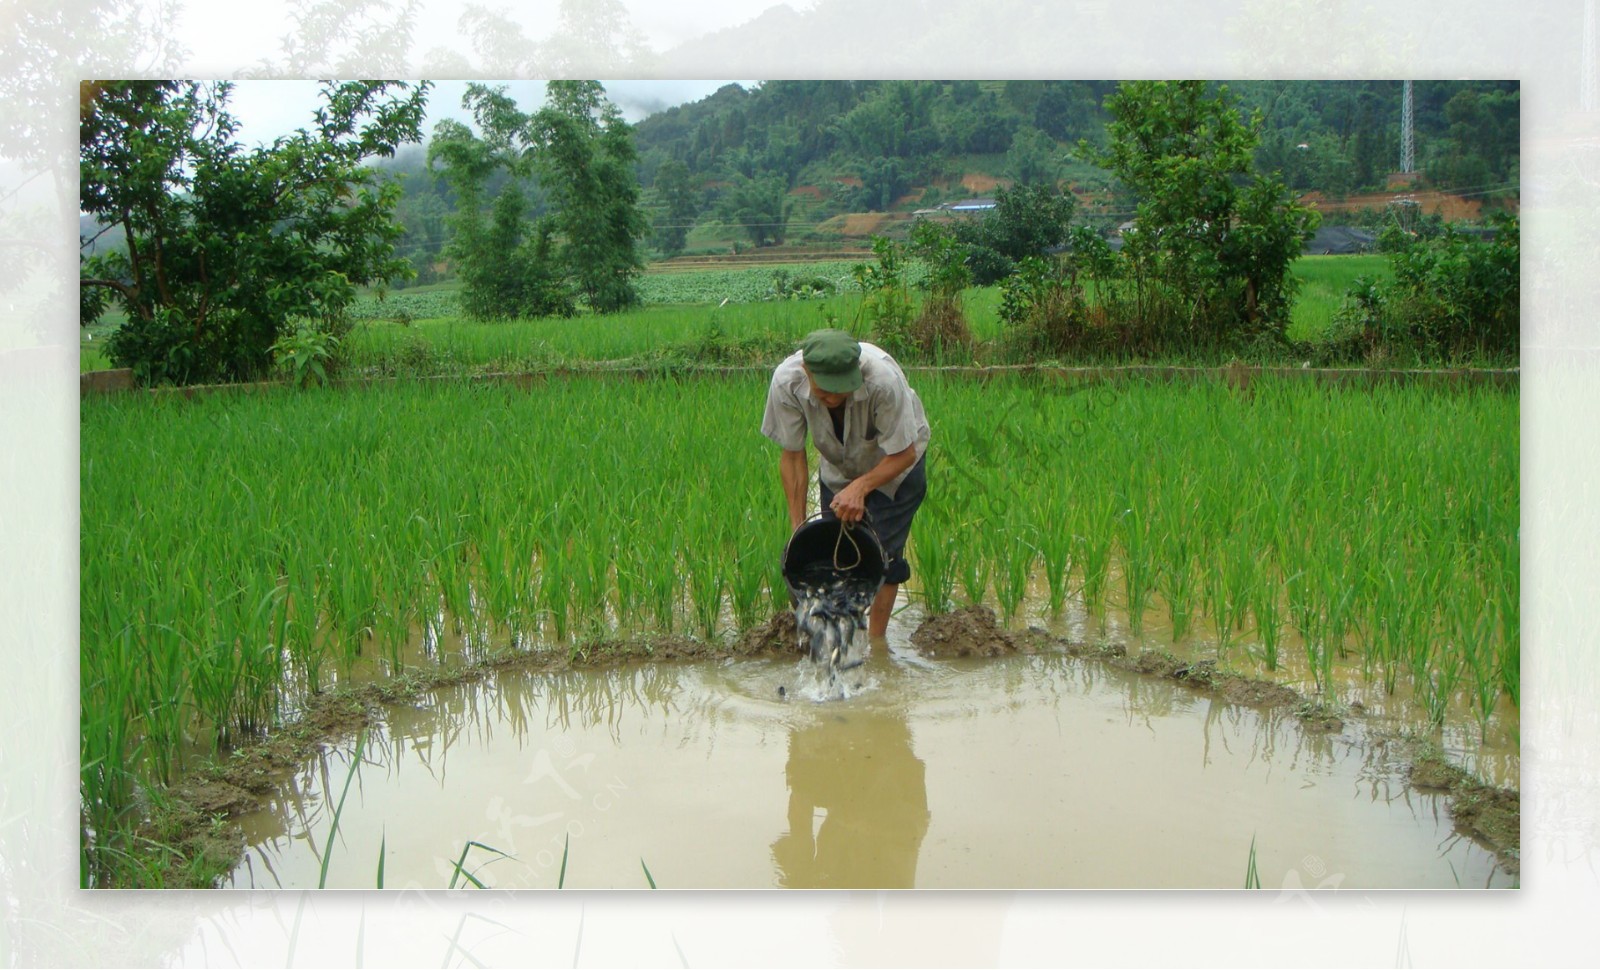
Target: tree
{"type": "Point", "coordinates": [583, 152]}
{"type": "Point", "coordinates": [507, 268]}
{"type": "Point", "coordinates": [1212, 243]}
{"type": "Point", "coordinates": [679, 204]}
{"type": "Point", "coordinates": [760, 206]}
{"type": "Point", "coordinates": [225, 247]}
{"type": "Point", "coordinates": [1026, 221]}
{"type": "Point", "coordinates": [1032, 158]}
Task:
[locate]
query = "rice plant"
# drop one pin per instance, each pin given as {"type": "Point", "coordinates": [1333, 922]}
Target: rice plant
{"type": "Point", "coordinates": [241, 550]}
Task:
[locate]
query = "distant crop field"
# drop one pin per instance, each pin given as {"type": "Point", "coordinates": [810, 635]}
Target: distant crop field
{"type": "Point", "coordinates": [713, 315]}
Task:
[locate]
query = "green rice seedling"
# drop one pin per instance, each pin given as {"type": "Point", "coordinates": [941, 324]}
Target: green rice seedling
{"type": "Point", "coordinates": [1221, 606]}
{"type": "Point", "coordinates": [932, 552]}
{"type": "Point", "coordinates": [592, 584]}
{"type": "Point", "coordinates": [1265, 606]}
{"type": "Point", "coordinates": [975, 564]}
{"type": "Point", "coordinates": [1138, 571]}
{"type": "Point", "coordinates": [1307, 622]}
{"type": "Point", "coordinates": [707, 582]}
{"type": "Point", "coordinates": [751, 565]}
{"type": "Point", "coordinates": [664, 582]}
{"type": "Point", "coordinates": [1010, 548]}
{"type": "Point", "coordinates": [1439, 685]}
{"type": "Point", "coordinates": [1252, 877]}
{"type": "Point", "coordinates": [1094, 537]}
{"type": "Point", "coordinates": [1175, 571]}
{"type": "Point", "coordinates": [1505, 586]}
{"type": "Point", "coordinates": [1054, 537]}
{"type": "Point", "coordinates": [555, 590]}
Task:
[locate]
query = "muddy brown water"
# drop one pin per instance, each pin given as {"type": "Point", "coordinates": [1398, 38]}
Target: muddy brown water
{"type": "Point", "coordinates": [1020, 771]}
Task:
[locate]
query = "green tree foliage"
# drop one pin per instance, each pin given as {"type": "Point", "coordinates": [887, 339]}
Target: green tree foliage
{"type": "Point", "coordinates": [1454, 296]}
{"type": "Point", "coordinates": [677, 205]}
{"type": "Point", "coordinates": [942, 323]}
{"type": "Point", "coordinates": [506, 266]}
{"type": "Point", "coordinates": [582, 154]}
{"type": "Point", "coordinates": [886, 303]}
{"type": "Point", "coordinates": [1484, 140]}
{"type": "Point", "coordinates": [760, 207]}
{"type": "Point", "coordinates": [226, 246]}
{"type": "Point", "coordinates": [882, 181]}
{"type": "Point", "coordinates": [1032, 159]}
{"type": "Point", "coordinates": [1350, 130]}
{"type": "Point", "coordinates": [1212, 242]}
{"type": "Point", "coordinates": [1026, 221]}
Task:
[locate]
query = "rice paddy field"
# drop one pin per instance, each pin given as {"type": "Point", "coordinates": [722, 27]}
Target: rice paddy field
{"type": "Point", "coordinates": [242, 551]}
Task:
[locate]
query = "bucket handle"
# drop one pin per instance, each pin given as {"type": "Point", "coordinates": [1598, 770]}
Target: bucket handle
{"type": "Point", "coordinates": [866, 523]}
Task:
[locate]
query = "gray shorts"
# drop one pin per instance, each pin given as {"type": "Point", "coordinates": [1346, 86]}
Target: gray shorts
{"type": "Point", "coordinates": [891, 518]}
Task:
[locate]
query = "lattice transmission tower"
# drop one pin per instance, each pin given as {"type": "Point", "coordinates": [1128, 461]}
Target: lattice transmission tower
{"type": "Point", "coordinates": [1408, 148]}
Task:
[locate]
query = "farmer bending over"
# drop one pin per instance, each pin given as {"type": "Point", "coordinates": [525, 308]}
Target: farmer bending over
{"type": "Point", "coordinates": [869, 428]}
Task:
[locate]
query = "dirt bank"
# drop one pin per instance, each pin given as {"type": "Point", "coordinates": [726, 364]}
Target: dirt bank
{"type": "Point", "coordinates": [192, 818]}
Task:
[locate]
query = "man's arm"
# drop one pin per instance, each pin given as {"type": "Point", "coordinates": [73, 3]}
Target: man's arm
{"type": "Point", "coordinates": [796, 475]}
{"type": "Point", "coordinates": [850, 502]}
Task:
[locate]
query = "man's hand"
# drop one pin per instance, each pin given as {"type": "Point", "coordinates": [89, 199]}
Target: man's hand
{"type": "Point", "coordinates": [850, 502]}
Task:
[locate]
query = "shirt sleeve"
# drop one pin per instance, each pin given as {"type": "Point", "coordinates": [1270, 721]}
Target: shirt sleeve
{"type": "Point", "coordinates": [895, 418]}
{"type": "Point", "coordinates": [783, 421]}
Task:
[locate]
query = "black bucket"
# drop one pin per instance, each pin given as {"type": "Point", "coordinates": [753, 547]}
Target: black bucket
{"type": "Point", "coordinates": [824, 551]}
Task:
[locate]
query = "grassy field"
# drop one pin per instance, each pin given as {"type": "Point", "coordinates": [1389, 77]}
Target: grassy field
{"type": "Point", "coordinates": [1324, 280]}
{"type": "Point", "coordinates": [701, 316]}
{"type": "Point", "coordinates": [240, 550]}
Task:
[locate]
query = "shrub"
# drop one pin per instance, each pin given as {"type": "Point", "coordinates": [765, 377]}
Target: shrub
{"type": "Point", "coordinates": [1453, 297]}
{"type": "Point", "coordinates": [306, 355]}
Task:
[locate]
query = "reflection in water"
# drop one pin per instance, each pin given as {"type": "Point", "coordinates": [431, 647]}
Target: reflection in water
{"type": "Point", "coordinates": [858, 804]}
{"type": "Point", "coordinates": [1046, 771]}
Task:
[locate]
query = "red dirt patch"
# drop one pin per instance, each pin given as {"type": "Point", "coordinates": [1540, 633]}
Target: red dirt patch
{"type": "Point", "coordinates": [978, 183]}
{"type": "Point", "coordinates": [860, 223]}
{"type": "Point", "coordinates": [808, 191]}
{"type": "Point", "coordinates": [1453, 208]}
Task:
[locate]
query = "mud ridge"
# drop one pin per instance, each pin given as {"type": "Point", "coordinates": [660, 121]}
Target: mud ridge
{"type": "Point", "coordinates": [190, 820]}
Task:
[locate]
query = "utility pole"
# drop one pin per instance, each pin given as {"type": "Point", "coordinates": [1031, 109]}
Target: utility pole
{"type": "Point", "coordinates": [1408, 149]}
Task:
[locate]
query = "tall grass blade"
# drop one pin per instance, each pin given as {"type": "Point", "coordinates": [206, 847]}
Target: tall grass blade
{"type": "Point", "coordinates": [333, 829]}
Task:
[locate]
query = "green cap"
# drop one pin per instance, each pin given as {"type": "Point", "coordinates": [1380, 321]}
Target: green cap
{"type": "Point", "coordinates": [834, 359]}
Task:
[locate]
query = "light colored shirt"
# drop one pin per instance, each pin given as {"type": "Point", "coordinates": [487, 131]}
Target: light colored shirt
{"type": "Point", "coordinates": [882, 417]}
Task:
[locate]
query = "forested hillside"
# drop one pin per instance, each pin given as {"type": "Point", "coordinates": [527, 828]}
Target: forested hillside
{"type": "Point", "coordinates": [1337, 137]}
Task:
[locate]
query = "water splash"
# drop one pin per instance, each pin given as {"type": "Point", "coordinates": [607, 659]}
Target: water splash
{"type": "Point", "coordinates": [831, 616]}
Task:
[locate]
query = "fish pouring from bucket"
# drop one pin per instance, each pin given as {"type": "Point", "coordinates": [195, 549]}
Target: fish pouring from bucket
{"type": "Point", "coordinates": [833, 571]}
{"type": "Point", "coordinates": [828, 612]}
